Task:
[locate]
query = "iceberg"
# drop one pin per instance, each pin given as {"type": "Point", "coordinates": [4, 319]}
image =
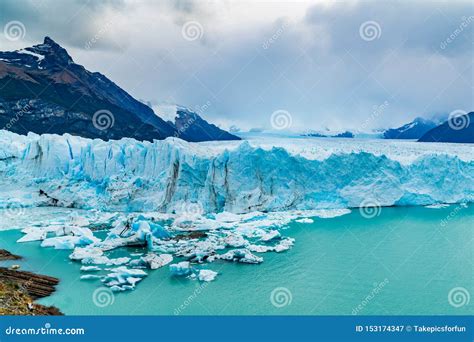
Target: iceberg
{"type": "Point", "coordinates": [90, 268]}
{"type": "Point", "coordinates": [182, 268]}
{"type": "Point", "coordinates": [153, 261]}
{"type": "Point", "coordinates": [121, 278]}
{"type": "Point", "coordinates": [206, 275]}
{"type": "Point", "coordinates": [241, 255]}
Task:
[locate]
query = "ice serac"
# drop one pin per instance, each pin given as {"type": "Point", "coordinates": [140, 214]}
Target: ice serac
{"type": "Point", "coordinates": [174, 175]}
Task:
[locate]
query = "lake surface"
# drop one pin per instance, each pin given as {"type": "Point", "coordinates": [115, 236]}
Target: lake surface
{"type": "Point", "coordinates": [404, 261]}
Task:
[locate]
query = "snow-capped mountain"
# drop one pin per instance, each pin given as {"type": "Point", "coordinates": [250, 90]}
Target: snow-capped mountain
{"type": "Point", "coordinates": [413, 130]}
{"type": "Point", "coordinates": [458, 129]}
{"type": "Point", "coordinates": [191, 125]}
{"type": "Point", "coordinates": [42, 90]}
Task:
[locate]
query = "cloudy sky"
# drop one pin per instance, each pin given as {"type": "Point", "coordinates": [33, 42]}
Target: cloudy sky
{"type": "Point", "coordinates": [329, 64]}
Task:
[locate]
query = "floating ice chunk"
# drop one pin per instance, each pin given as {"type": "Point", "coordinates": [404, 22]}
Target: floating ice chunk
{"type": "Point", "coordinates": [206, 275]}
{"type": "Point", "coordinates": [240, 255]}
{"type": "Point", "coordinates": [80, 253]}
{"type": "Point", "coordinates": [94, 255]}
{"type": "Point", "coordinates": [284, 245]}
{"type": "Point", "coordinates": [90, 268]}
{"type": "Point", "coordinates": [141, 231]}
{"type": "Point", "coordinates": [104, 260]}
{"type": "Point", "coordinates": [90, 277]}
{"type": "Point", "coordinates": [124, 278]}
{"type": "Point", "coordinates": [305, 220]}
{"type": "Point", "coordinates": [133, 280]}
{"type": "Point", "coordinates": [235, 240]}
{"type": "Point", "coordinates": [154, 261]}
{"type": "Point", "coordinates": [74, 231]}
{"type": "Point", "coordinates": [182, 268]}
{"type": "Point", "coordinates": [328, 213]}
{"type": "Point", "coordinates": [273, 234]}
{"type": "Point", "coordinates": [260, 248]}
{"type": "Point", "coordinates": [438, 206]}
{"type": "Point", "coordinates": [33, 234]}
{"type": "Point", "coordinates": [68, 242]}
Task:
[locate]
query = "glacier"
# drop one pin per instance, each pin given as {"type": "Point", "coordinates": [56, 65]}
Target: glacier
{"type": "Point", "coordinates": [237, 177]}
{"type": "Point", "coordinates": [186, 205]}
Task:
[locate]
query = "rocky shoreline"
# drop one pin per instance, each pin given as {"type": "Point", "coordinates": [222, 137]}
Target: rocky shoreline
{"type": "Point", "coordinates": [19, 290]}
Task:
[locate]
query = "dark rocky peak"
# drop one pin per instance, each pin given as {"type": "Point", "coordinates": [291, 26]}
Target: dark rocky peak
{"type": "Point", "coordinates": [54, 53]}
{"type": "Point", "coordinates": [48, 55]}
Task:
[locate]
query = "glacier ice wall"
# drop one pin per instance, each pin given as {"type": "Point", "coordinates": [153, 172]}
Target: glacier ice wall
{"type": "Point", "coordinates": [173, 175]}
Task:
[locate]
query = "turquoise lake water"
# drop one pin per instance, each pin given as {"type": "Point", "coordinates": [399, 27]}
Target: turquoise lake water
{"type": "Point", "coordinates": [405, 261]}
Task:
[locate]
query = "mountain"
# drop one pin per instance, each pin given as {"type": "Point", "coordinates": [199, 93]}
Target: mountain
{"type": "Point", "coordinates": [42, 90]}
{"type": "Point", "coordinates": [345, 134]}
{"type": "Point", "coordinates": [459, 129]}
{"type": "Point", "coordinates": [195, 128]}
{"type": "Point", "coordinates": [413, 130]}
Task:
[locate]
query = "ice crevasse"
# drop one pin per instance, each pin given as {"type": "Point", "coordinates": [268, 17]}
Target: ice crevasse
{"type": "Point", "coordinates": [173, 175]}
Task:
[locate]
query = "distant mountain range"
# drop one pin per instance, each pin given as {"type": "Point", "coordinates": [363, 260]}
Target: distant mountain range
{"type": "Point", "coordinates": [413, 130]}
{"type": "Point", "coordinates": [459, 129]}
{"type": "Point", "coordinates": [42, 90]}
{"type": "Point", "coordinates": [345, 134]}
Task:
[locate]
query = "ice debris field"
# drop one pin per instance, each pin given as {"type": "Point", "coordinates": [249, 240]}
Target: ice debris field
{"type": "Point", "coordinates": [190, 204]}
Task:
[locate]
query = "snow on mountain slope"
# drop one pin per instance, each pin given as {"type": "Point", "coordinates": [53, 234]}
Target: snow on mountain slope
{"type": "Point", "coordinates": [239, 177]}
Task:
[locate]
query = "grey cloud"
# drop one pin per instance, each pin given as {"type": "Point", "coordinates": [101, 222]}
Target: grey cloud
{"type": "Point", "coordinates": [317, 67]}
